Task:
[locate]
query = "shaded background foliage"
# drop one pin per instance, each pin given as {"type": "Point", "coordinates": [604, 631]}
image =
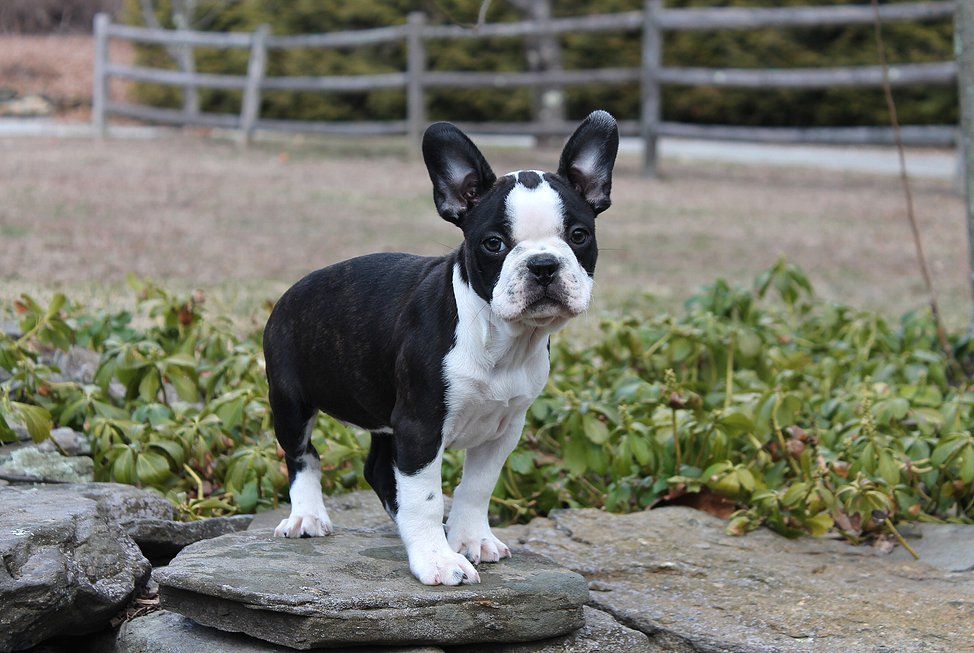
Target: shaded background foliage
{"type": "Point", "coordinates": [52, 16]}
{"type": "Point", "coordinates": [759, 48]}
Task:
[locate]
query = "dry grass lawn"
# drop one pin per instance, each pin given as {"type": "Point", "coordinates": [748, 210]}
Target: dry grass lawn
{"type": "Point", "coordinates": [244, 224]}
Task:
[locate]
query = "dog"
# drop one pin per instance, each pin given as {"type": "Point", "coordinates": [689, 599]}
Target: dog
{"type": "Point", "coordinates": [430, 353]}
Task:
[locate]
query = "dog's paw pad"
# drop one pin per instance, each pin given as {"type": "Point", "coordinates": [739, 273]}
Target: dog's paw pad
{"type": "Point", "coordinates": [443, 568]}
{"type": "Point", "coordinates": [304, 526]}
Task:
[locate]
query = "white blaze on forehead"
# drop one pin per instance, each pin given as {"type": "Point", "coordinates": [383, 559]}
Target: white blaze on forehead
{"type": "Point", "coordinates": [534, 213]}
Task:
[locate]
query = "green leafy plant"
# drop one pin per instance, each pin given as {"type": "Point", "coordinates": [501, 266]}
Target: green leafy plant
{"type": "Point", "coordinates": [777, 408]}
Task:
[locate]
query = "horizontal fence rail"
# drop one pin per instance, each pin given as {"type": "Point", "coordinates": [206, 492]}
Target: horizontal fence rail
{"type": "Point", "coordinates": [653, 22]}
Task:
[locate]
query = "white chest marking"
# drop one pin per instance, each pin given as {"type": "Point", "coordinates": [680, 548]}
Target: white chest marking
{"type": "Point", "coordinates": [493, 373]}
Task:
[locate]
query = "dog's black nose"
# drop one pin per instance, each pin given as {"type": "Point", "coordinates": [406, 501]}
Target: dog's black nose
{"type": "Point", "coordinates": [543, 267]}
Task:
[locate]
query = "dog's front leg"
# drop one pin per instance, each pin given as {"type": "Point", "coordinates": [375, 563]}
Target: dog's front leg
{"type": "Point", "coordinates": [468, 530]}
{"type": "Point", "coordinates": [419, 496]}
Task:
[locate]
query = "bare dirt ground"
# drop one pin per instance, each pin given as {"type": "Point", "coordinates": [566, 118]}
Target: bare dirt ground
{"type": "Point", "coordinates": [58, 66]}
{"type": "Point", "coordinates": [244, 224]}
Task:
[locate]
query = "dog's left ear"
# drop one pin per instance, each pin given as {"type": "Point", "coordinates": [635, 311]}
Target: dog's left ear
{"type": "Point", "coordinates": [459, 172]}
{"type": "Point", "coordinates": [587, 160]}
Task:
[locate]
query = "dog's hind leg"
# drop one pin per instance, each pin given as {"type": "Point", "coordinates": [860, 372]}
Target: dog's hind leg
{"type": "Point", "coordinates": [380, 471]}
{"type": "Point", "coordinates": [293, 424]}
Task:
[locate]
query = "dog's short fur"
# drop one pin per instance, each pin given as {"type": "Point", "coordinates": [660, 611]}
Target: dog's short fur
{"type": "Point", "coordinates": [430, 353]}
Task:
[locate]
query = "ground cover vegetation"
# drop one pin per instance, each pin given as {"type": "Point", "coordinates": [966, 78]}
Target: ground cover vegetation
{"type": "Point", "coordinates": [771, 405]}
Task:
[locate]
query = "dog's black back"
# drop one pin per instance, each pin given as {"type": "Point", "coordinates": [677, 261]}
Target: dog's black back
{"type": "Point", "coordinates": [333, 341]}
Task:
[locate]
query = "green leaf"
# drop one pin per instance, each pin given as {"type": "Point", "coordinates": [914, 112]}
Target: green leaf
{"type": "Point", "coordinates": [149, 386]}
{"type": "Point", "coordinates": [183, 383]}
{"type": "Point", "coordinates": [575, 456]}
{"type": "Point", "coordinates": [946, 449]}
{"type": "Point", "coordinates": [788, 410]}
{"type": "Point", "coordinates": [231, 412]}
{"type": "Point", "coordinates": [819, 525]}
{"type": "Point", "coordinates": [888, 470]}
{"type": "Point", "coordinates": [36, 419]}
{"type": "Point", "coordinates": [639, 446]}
{"type": "Point", "coordinates": [123, 469]}
{"type": "Point", "coordinates": [173, 449]}
{"type": "Point", "coordinates": [247, 498]}
{"type": "Point", "coordinates": [966, 471]}
{"type": "Point", "coordinates": [736, 423]}
{"type": "Point", "coordinates": [521, 462]}
{"type": "Point", "coordinates": [595, 429]}
{"type": "Point", "coordinates": [794, 494]}
{"type": "Point", "coordinates": [152, 468]}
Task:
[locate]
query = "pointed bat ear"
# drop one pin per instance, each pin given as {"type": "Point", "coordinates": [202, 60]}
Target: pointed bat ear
{"type": "Point", "coordinates": [459, 172]}
{"type": "Point", "coordinates": [588, 158]}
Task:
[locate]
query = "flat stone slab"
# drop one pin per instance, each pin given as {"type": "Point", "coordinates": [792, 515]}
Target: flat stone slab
{"type": "Point", "coordinates": [161, 539]}
{"type": "Point", "coordinates": [675, 575]}
{"type": "Point", "coordinates": [600, 634]}
{"type": "Point", "coordinates": [354, 588]}
{"type": "Point", "coordinates": [949, 547]}
{"type": "Point", "coordinates": [167, 632]}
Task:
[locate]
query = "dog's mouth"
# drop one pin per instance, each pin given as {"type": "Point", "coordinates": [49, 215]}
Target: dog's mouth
{"type": "Point", "coordinates": [545, 302]}
{"type": "Point", "coordinates": [546, 306]}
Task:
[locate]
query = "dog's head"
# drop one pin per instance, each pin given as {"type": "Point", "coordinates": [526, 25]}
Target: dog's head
{"type": "Point", "coordinates": [529, 237]}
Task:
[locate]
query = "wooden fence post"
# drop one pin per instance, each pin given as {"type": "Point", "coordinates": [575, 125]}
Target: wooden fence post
{"type": "Point", "coordinates": [415, 69]}
{"type": "Point", "coordinates": [652, 106]}
{"type": "Point", "coordinates": [99, 94]}
{"type": "Point", "coordinates": [187, 64]}
{"type": "Point", "coordinates": [256, 67]}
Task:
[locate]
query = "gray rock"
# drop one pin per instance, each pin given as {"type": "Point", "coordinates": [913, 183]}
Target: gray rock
{"type": "Point", "coordinates": [161, 539]}
{"type": "Point", "coordinates": [77, 364]}
{"type": "Point", "coordinates": [74, 443]}
{"type": "Point", "coordinates": [32, 462]}
{"type": "Point", "coordinates": [354, 587]}
{"type": "Point", "coordinates": [67, 568]}
{"type": "Point", "coordinates": [28, 106]}
{"type": "Point", "coordinates": [168, 632]}
{"type": "Point", "coordinates": [23, 435]}
{"type": "Point", "coordinates": [123, 503]}
{"type": "Point", "coordinates": [600, 634]}
{"type": "Point", "coordinates": [675, 575]}
{"type": "Point", "coordinates": [9, 327]}
{"type": "Point", "coordinates": [949, 547]}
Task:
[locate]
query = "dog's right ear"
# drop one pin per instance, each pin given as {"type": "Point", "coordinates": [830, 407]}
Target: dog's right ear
{"type": "Point", "coordinates": [459, 172]}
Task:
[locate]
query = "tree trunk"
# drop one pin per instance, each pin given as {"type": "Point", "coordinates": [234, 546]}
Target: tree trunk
{"type": "Point", "coordinates": [544, 53]}
{"type": "Point", "coordinates": [964, 45]}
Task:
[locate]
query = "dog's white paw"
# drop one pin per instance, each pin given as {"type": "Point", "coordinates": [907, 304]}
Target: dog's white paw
{"type": "Point", "coordinates": [477, 544]}
{"type": "Point", "coordinates": [313, 525]}
{"type": "Point", "coordinates": [442, 567]}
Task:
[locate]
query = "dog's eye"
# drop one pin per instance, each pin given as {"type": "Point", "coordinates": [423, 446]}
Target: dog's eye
{"type": "Point", "coordinates": [578, 236]}
{"type": "Point", "coordinates": [494, 245]}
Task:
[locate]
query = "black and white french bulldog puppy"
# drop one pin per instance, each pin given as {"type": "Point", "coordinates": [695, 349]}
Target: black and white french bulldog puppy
{"type": "Point", "coordinates": [430, 353]}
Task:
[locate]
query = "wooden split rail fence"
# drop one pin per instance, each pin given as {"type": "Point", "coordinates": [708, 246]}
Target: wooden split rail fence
{"type": "Point", "coordinates": [654, 21]}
